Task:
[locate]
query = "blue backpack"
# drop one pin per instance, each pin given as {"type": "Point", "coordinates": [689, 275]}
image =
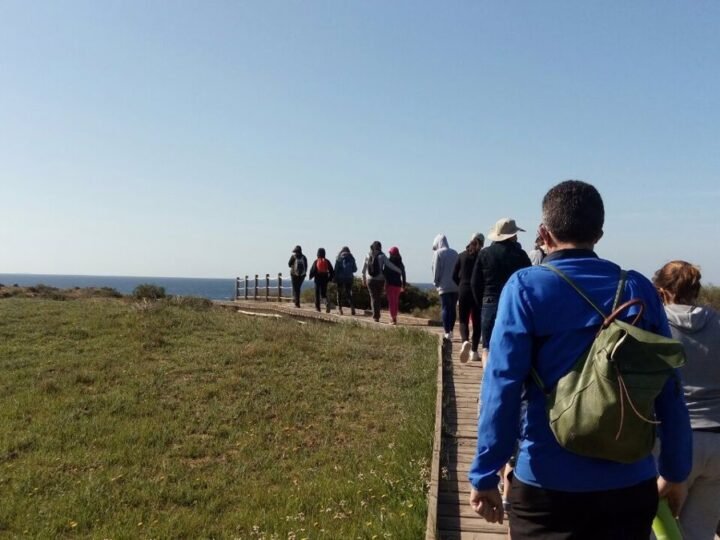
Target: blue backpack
{"type": "Point", "coordinates": [345, 268]}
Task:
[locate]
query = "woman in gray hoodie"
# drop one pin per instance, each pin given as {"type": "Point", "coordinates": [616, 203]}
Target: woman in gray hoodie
{"type": "Point", "coordinates": [444, 259]}
{"type": "Point", "coordinates": [698, 327]}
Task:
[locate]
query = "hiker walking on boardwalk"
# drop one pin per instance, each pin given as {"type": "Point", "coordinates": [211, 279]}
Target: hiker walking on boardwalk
{"type": "Point", "coordinates": [345, 268]}
{"type": "Point", "coordinates": [298, 270]}
{"type": "Point", "coordinates": [548, 318]}
{"type": "Point", "coordinates": [468, 308]}
{"type": "Point", "coordinates": [322, 272]}
{"type": "Point", "coordinates": [444, 259]}
{"type": "Point", "coordinates": [374, 278]}
{"type": "Point", "coordinates": [493, 267]}
{"type": "Point", "coordinates": [698, 327]}
{"type": "Point", "coordinates": [395, 282]}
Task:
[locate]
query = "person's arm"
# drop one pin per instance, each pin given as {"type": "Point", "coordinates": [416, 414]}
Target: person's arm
{"type": "Point", "coordinates": [387, 263]}
{"type": "Point", "coordinates": [313, 270]}
{"type": "Point", "coordinates": [456, 271]}
{"type": "Point", "coordinates": [364, 271]}
{"type": "Point", "coordinates": [331, 270]}
{"type": "Point", "coordinates": [477, 281]}
{"type": "Point", "coordinates": [437, 274]}
{"type": "Point", "coordinates": [498, 426]}
{"type": "Point", "coordinates": [404, 278]}
{"type": "Point", "coordinates": [291, 262]}
{"type": "Point", "coordinates": [354, 265]}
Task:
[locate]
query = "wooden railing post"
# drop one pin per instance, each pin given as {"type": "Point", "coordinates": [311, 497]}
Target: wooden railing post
{"type": "Point", "coordinates": [237, 288]}
{"type": "Point", "coordinates": [267, 287]}
{"type": "Point", "coordinates": [280, 287]}
{"type": "Point", "coordinates": [246, 287]}
{"type": "Point", "coordinates": [256, 287]}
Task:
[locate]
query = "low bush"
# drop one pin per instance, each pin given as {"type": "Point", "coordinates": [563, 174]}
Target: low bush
{"type": "Point", "coordinates": [148, 291]}
{"type": "Point", "coordinates": [411, 300]}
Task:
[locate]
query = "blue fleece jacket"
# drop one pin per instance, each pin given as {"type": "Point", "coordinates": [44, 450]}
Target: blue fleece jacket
{"type": "Point", "coordinates": [542, 320]}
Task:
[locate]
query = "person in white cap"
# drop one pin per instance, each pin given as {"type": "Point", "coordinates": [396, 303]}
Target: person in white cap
{"type": "Point", "coordinates": [493, 267]}
{"type": "Point", "coordinates": [468, 308]}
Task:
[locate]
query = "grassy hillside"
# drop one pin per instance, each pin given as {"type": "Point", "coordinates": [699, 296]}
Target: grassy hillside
{"type": "Point", "coordinates": [122, 419]}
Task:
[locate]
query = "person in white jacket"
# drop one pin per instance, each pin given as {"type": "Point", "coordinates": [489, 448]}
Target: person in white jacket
{"type": "Point", "coordinates": [443, 265]}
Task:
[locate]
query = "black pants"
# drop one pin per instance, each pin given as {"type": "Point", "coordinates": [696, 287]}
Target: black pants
{"type": "Point", "coordinates": [469, 310]}
{"type": "Point", "coordinates": [321, 284]}
{"type": "Point", "coordinates": [344, 290]}
{"type": "Point", "coordinates": [297, 282]}
{"type": "Point", "coordinates": [616, 514]}
{"type": "Point", "coordinates": [376, 287]}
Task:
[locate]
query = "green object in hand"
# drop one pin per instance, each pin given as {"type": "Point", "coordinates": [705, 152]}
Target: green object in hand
{"type": "Point", "coordinates": [665, 525]}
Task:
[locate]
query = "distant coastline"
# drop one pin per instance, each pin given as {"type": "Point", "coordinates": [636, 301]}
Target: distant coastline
{"type": "Point", "coordinates": [212, 288]}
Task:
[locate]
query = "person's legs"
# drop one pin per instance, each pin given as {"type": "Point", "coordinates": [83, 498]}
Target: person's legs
{"type": "Point", "coordinates": [297, 282]}
{"type": "Point", "coordinates": [465, 304]}
{"type": "Point", "coordinates": [376, 287]}
{"type": "Point", "coordinates": [340, 292]}
{"type": "Point", "coordinates": [317, 294]}
{"type": "Point", "coordinates": [349, 294]}
{"type": "Point", "coordinates": [476, 316]}
{"type": "Point", "coordinates": [488, 313]}
{"type": "Point", "coordinates": [393, 296]}
{"type": "Point", "coordinates": [622, 514]}
{"type": "Point", "coordinates": [323, 294]}
{"type": "Point", "coordinates": [700, 514]}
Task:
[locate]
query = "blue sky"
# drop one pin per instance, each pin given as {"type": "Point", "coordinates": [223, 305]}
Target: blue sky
{"type": "Point", "coordinates": [206, 139]}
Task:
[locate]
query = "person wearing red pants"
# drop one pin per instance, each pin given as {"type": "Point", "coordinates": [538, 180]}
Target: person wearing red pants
{"type": "Point", "coordinates": [395, 281]}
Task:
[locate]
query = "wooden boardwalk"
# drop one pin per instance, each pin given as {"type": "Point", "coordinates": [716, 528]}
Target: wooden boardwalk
{"type": "Point", "coordinates": [450, 516]}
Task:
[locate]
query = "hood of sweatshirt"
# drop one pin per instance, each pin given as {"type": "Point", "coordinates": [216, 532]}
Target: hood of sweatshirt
{"type": "Point", "coordinates": [688, 318]}
{"type": "Point", "coordinates": [440, 242]}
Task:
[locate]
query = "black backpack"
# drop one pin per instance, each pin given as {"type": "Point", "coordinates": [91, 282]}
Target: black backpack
{"type": "Point", "coordinates": [373, 267]}
{"type": "Point", "coordinates": [299, 266]}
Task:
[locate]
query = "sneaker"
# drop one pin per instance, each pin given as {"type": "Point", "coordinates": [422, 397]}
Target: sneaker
{"type": "Point", "coordinates": [474, 357]}
{"type": "Point", "coordinates": [447, 336]}
{"type": "Point", "coordinates": [352, 311]}
{"type": "Point", "coordinates": [340, 311]}
{"type": "Point", "coordinates": [394, 322]}
{"type": "Point", "coordinates": [465, 351]}
{"type": "Point", "coordinates": [327, 306]}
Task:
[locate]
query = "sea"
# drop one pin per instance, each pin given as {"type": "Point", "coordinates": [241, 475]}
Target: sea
{"type": "Point", "coordinates": [212, 288]}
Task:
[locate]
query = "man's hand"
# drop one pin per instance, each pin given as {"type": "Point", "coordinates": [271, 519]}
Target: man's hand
{"type": "Point", "coordinates": [488, 504]}
{"type": "Point", "coordinates": [674, 492]}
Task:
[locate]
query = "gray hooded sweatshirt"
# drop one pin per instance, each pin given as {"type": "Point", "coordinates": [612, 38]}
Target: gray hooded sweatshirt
{"type": "Point", "coordinates": [443, 264]}
{"type": "Point", "coordinates": [698, 328]}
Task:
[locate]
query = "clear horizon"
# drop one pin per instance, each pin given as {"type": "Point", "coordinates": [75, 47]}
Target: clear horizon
{"type": "Point", "coordinates": [197, 140]}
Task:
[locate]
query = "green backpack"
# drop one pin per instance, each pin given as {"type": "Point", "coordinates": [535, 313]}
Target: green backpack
{"type": "Point", "coordinates": [604, 407]}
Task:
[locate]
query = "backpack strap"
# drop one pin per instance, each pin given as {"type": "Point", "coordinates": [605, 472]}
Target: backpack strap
{"type": "Point", "coordinates": [618, 295]}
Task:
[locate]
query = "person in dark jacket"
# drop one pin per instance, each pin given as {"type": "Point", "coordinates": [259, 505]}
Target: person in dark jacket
{"type": "Point", "coordinates": [395, 282]}
{"type": "Point", "coordinates": [469, 309]}
{"type": "Point", "coordinates": [373, 276]}
{"type": "Point", "coordinates": [493, 267]}
{"type": "Point", "coordinates": [322, 272]}
{"type": "Point", "coordinates": [345, 268]}
{"type": "Point", "coordinates": [298, 270]}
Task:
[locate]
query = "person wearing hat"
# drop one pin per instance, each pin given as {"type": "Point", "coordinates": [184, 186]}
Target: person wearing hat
{"type": "Point", "coordinates": [468, 308]}
{"type": "Point", "coordinates": [298, 270]}
{"type": "Point", "coordinates": [493, 267]}
{"type": "Point", "coordinates": [444, 259]}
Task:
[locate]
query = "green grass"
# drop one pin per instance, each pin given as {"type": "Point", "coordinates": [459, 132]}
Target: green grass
{"type": "Point", "coordinates": [121, 420]}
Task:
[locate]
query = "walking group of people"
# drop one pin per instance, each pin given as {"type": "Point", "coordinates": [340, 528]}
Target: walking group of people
{"type": "Point", "coordinates": [546, 321]}
{"type": "Point", "coordinates": [380, 273]}
{"type": "Point", "coordinates": [471, 283]}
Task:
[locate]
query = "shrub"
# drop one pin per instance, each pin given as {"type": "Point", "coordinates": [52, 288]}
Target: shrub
{"type": "Point", "coordinates": [710, 295]}
{"type": "Point", "coordinates": [411, 300]}
{"type": "Point", "coordinates": [195, 303]}
{"type": "Point", "coordinates": [148, 291]}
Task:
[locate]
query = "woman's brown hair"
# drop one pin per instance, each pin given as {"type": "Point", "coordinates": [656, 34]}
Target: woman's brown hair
{"type": "Point", "coordinates": [678, 282]}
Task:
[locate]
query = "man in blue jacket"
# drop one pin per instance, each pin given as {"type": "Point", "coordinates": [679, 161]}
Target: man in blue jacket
{"type": "Point", "coordinates": [543, 322]}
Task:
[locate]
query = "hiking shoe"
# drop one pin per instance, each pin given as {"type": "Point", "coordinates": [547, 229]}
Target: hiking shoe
{"type": "Point", "coordinates": [465, 351]}
{"type": "Point", "coordinates": [340, 311]}
{"type": "Point", "coordinates": [475, 357]}
{"type": "Point", "coordinates": [352, 311]}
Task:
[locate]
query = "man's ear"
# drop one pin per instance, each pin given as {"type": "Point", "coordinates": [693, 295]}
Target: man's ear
{"type": "Point", "coordinates": [547, 238]}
